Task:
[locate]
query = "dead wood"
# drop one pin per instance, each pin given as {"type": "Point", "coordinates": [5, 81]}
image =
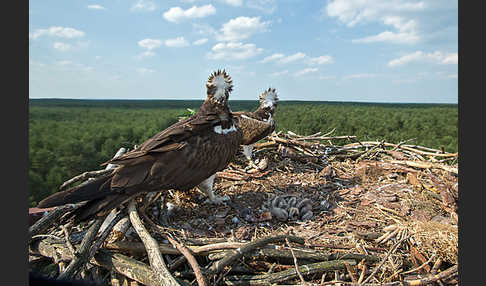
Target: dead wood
{"type": "Point", "coordinates": [155, 257]}
{"type": "Point", "coordinates": [201, 281]}
{"type": "Point", "coordinates": [82, 256]}
{"type": "Point", "coordinates": [307, 269]}
{"type": "Point", "coordinates": [48, 220]}
{"type": "Point", "coordinates": [239, 252]}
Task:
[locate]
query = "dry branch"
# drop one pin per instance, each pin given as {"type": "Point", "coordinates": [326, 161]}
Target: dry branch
{"type": "Point", "coordinates": [155, 257]}
{"type": "Point", "coordinates": [83, 255]}
{"type": "Point", "coordinates": [239, 252]}
{"type": "Point", "coordinates": [47, 221]}
{"type": "Point", "coordinates": [307, 269]}
{"type": "Point", "coordinates": [201, 281]}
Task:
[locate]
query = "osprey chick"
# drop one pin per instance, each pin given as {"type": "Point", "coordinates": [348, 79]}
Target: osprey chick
{"type": "Point", "coordinates": [179, 157]}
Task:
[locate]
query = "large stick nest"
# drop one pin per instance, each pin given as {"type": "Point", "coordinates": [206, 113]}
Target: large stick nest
{"type": "Point", "coordinates": [375, 212]}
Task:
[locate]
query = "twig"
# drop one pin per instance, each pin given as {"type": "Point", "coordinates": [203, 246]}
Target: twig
{"type": "Point", "coordinates": [385, 258]}
{"type": "Point", "coordinates": [105, 234]}
{"type": "Point", "coordinates": [46, 221]}
{"type": "Point", "coordinates": [352, 272]}
{"type": "Point", "coordinates": [415, 282]}
{"type": "Point", "coordinates": [296, 264]}
{"type": "Point", "coordinates": [155, 257]}
{"type": "Point", "coordinates": [364, 268]}
{"type": "Point", "coordinates": [421, 266]}
{"type": "Point", "coordinates": [84, 176]}
{"type": "Point", "coordinates": [401, 143]}
{"type": "Point", "coordinates": [239, 252]}
{"type": "Point", "coordinates": [426, 165]}
{"type": "Point", "coordinates": [120, 263]}
{"type": "Point", "coordinates": [68, 243]}
{"type": "Point", "coordinates": [307, 269]}
{"type": "Point", "coordinates": [76, 264]}
{"type": "Point", "coordinates": [46, 235]}
{"type": "Point", "coordinates": [201, 281]}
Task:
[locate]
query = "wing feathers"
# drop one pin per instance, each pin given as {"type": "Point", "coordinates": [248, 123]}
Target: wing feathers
{"type": "Point", "coordinates": [254, 130]}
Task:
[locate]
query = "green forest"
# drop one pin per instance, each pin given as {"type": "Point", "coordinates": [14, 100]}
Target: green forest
{"type": "Point", "coordinates": [68, 137]}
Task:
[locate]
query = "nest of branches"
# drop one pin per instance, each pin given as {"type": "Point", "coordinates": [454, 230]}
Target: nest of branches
{"type": "Point", "coordinates": [317, 210]}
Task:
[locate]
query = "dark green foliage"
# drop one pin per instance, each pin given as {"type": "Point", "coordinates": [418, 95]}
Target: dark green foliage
{"type": "Point", "coordinates": [69, 137]}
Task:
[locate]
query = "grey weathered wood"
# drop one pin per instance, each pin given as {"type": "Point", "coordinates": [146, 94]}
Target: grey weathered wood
{"type": "Point", "coordinates": [48, 220]}
{"type": "Point", "coordinates": [120, 263]}
{"type": "Point", "coordinates": [82, 256]}
{"type": "Point", "coordinates": [151, 245]}
{"type": "Point", "coordinates": [269, 279]}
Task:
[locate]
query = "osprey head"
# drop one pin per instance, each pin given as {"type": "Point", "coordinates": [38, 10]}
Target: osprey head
{"type": "Point", "coordinates": [218, 87]}
{"type": "Point", "coordinates": [269, 98]}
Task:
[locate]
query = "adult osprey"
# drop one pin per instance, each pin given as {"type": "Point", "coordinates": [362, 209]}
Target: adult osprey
{"type": "Point", "coordinates": [255, 126]}
{"type": "Point", "coordinates": [258, 124]}
{"type": "Point", "coordinates": [180, 157]}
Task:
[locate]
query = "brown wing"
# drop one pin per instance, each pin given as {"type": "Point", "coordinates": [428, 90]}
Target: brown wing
{"type": "Point", "coordinates": [253, 130]}
{"type": "Point", "coordinates": [137, 164]}
{"type": "Point", "coordinates": [172, 138]}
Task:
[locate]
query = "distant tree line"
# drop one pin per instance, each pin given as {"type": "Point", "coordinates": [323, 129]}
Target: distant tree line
{"type": "Point", "coordinates": [69, 137]}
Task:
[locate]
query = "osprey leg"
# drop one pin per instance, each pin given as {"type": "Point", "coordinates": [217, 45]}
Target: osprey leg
{"type": "Point", "coordinates": [206, 187]}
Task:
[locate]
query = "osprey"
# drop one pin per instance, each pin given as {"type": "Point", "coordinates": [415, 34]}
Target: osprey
{"type": "Point", "coordinates": [258, 124]}
{"type": "Point", "coordinates": [255, 126]}
{"type": "Point", "coordinates": [179, 157]}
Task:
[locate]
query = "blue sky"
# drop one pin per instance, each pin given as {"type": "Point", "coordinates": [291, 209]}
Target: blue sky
{"type": "Point", "coordinates": [340, 50]}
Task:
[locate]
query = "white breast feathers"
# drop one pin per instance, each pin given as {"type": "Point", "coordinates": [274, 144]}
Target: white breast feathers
{"type": "Point", "coordinates": [218, 129]}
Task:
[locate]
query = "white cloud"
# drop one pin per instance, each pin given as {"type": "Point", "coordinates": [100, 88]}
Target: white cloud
{"type": "Point", "coordinates": [321, 60]}
{"type": "Point", "coordinates": [96, 7]}
{"type": "Point", "coordinates": [450, 59]}
{"type": "Point", "coordinates": [63, 47]}
{"type": "Point", "coordinates": [280, 73]}
{"type": "Point", "coordinates": [397, 14]}
{"type": "Point", "coordinates": [144, 71]}
{"type": "Point", "coordinates": [64, 63]}
{"type": "Point", "coordinates": [204, 29]}
{"type": "Point", "coordinates": [144, 5]}
{"type": "Point", "coordinates": [404, 81]}
{"type": "Point", "coordinates": [266, 6]}
{"type": "Point", "coordinates": [452, 76]}
{"type": "Point", "coordinates": [233, 51]}
{"type": "Point", "coordinates": [305, 71]}
{"type": "Point", "coordinates": [150, 44]}
{"type": "Point", "coordinates": [360, 75]}
{"type": "Point", "coordinates": [391, 37]}
{"type": "Point", "coordinates": [352, 12]}
{"type": "Point", "coordinates": [292, 58]}
{"type": "Point", "coordinates": [419, 56]}
{"type": "Point", "coordinates": [146, 54]}
{"type": "Point", "coordinates": [177, 14]}
{"type": "Point", "coordinates": [327, 77]}
{"type": "Point", "coordinates": [299, 56]}
{"type": "Point", "coordinates": [176, 42]}
{"type": "Point", "coordinates": [241, 28]}
{"type": "Point", "coordinates": [235, 3]}
{"type": "Point", "coordinates": [273, 57]}
{"type": "Point", "coordinates": [200, 42]}
{"type": "Point", "coordinates": [67, 65]}
{"type": "Point", "coordinates": [61, 32]}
